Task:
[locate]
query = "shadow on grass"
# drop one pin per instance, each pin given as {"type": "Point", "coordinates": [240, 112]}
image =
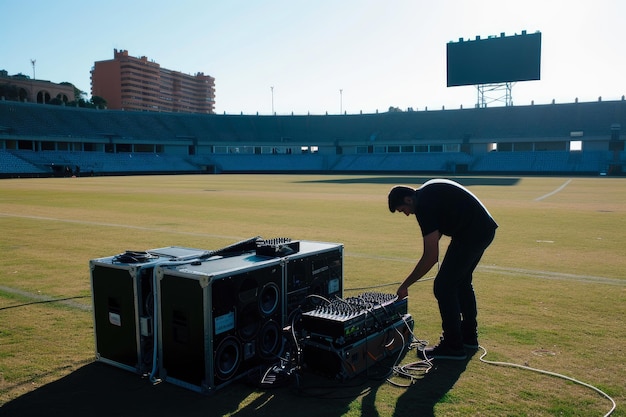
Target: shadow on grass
{"type": "Point", "coordinates": [420, 399]}
{"type": "Point", "coordinates": [413, 181]}
{"type": "Point", "coordinates": [97, 389]}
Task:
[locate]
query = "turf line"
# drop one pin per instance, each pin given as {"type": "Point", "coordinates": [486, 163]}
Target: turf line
{"type": "Point", "coordinates": [555, 191]}
{"type": "Point", "coordinates": [117, 225]}
{"type": "Point", "coordinates": [552, 275]}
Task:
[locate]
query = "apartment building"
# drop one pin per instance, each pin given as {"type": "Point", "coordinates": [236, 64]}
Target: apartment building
{"type": "Point", "coordinates": [130, 83]}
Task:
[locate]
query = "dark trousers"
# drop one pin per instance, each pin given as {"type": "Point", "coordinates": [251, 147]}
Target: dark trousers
{"type": "Point", "coordinates": [454, 290]}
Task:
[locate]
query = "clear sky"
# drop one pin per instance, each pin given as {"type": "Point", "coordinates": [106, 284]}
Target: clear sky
{"type": "Point", "coordinates": [321, 55]}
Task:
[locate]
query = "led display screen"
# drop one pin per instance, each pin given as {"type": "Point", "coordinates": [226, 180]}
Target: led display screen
{"type": "Point", "coordinates": [494, 60]}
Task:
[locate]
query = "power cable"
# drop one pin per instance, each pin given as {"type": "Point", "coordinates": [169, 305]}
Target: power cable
{"type": "Point", "coordinates": [53, 300]}
{"type": "Point", "coordinates": [415, 370]}
{"type": "Point", "coordinates": [541, 371]}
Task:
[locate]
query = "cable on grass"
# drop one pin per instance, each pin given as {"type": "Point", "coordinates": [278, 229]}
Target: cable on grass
{"type": "Point", "coordinates": [541, 371]}
{"type": "Point", "coordinates": [416, 370]}
{"type": "Point", "coordinates": [47, 301]}
{"type": "Point", "coordinates": [412, 371]}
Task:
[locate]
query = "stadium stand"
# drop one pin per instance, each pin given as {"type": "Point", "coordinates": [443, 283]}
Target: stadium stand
{"type": "Point", "coordinates": [46, 140]}
{"type": "Point", "coordinates": [425, 162]}
{"type": "Point", "coordinates": [540, 162]}
{"type": "Point", "coordinates": [12, 164]}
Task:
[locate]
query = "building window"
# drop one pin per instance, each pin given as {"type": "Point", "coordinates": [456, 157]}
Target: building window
{"type": "Point", "coordinates": [144, 148]}
{"type": "Point", "coordinates": [505, 147]}
{"type": "Point", "coordinates": [522, 146]}
{"type": "Point", "coordinates": [576, 145]}
{"type": "Point", "coordinates": [551, 146]}
{"type": "Point", "coordinates": [379, 149]}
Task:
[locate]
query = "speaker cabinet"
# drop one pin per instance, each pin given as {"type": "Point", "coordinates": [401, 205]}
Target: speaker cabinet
{"type": "Point", "coordinates": [123, 305]}
{"type": "Point", "coordinates": [312, 274]}
{"type": "Point", "coordinates": [219, 319]}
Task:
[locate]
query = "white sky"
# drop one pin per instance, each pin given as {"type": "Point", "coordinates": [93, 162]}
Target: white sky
{"type": "Point", "coordinates": [379, 53]}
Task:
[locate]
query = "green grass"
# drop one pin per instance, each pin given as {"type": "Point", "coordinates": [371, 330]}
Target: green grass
{"type": "Point", "coordinates": [551, 289]}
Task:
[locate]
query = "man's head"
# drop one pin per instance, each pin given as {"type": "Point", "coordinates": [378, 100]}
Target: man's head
{"type": "Point", "coordinates": [402, 198]}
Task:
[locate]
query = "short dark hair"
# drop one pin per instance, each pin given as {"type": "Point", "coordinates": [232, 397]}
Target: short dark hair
{"type": "Point", "coordinates": [397, 194]}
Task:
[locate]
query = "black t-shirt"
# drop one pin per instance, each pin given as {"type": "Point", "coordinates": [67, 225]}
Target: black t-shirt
{"type": "Point", "coordinates": [452, 209]}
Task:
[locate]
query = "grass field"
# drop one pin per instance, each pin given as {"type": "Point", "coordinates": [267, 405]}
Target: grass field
{"type": "Point", "coordinates": [551, 290]}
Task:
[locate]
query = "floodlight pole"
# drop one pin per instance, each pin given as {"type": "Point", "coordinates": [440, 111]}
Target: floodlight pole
{"type": "Point", "coordinates": [272, 88]}
{"type": "Point", "coordinates": [340, 101]}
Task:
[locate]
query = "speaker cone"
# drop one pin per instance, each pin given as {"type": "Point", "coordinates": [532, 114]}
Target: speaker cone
{"type": "Point", "coordinates": [227, 358]}
{"type": "Point", "coordinates": [270, 340]}
{"type": "Point", "coordinates": [269, 298]}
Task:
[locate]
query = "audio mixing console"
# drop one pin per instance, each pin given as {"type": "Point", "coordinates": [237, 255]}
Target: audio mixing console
{"type": "Point", "coordinates": [344, 321]}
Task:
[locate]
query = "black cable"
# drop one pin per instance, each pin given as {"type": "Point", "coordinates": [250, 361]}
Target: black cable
{"type": "Point", "coordinates": [55, 300]}
{"type": "Point", "coordinates": [385, 285]}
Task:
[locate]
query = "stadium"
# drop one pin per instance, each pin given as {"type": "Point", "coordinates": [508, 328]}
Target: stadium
{"type": "Point", "coordinates": [580, 138]}
{"type": "Point", "coordinates": [551, 289]}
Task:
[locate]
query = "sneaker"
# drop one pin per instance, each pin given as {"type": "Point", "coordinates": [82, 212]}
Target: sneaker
{"type": "Point", "coordinates": [442, 351]}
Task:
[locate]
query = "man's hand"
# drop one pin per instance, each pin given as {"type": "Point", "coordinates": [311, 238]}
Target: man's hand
{"type": "Point", "coordinates": [403, 292]}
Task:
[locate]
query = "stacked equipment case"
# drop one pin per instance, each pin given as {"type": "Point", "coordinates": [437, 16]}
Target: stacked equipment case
{"type": "Point", "coordinates": [123, 305]}
{"type": "Point", "coordinates": [347, 336]}
{"type": "Point", "coordinates": [202, 319]}
{"type": "Point", "coordinates": [218, 319]}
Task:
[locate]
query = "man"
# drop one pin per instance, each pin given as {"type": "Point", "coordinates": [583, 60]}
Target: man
{"type": "Point", "coordinates": [444, 207]}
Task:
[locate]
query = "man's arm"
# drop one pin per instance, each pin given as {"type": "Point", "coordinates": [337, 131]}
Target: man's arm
{"type": "Point", "coordinates": [427, 261]}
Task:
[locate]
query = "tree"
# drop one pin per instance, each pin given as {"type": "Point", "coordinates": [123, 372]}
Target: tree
{"type": "Point", "coordinates": [99, 102]}
{"type": "Point", "coordinates": [78, 93]}
{"type": "Point", "coordinates": [96, 102]}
